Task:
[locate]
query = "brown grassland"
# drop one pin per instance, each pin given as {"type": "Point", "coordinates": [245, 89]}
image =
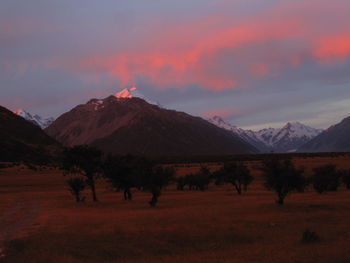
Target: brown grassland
{"type": "Point", "coordinates": [40, 222]}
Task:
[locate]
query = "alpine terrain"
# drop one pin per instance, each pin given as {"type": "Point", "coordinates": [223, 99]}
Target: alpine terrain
{"type": "Point", "coordinates": [286, 139]}
{"type": "Point", "coordinates": [335, 139]}
{"type": "Point", "coordinates": [21, 140]}
{"type": "Point", "coordinates": [35, 119]}
{"type": "Point", "coordinates": [125, 124]}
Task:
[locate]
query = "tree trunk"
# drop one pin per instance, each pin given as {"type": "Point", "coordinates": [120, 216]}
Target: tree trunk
{"type": "Point", "coordinates": [93, 191]}
{"type": "Point", "coordinates": [245, 188]}
{"type": "Point", "coordinates": [155, 194]}
{"type": "Point", "coordinates": [77, 198]}
{"type": "Point", "coordinates": [238, 188]}
{"type": "Point", "coordinates": [127, 194]}
{"type": "Point", "coordinates": [280, 200]}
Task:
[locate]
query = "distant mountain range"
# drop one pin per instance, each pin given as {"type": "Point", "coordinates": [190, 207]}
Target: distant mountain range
{"type": "Point", "coordinates": [335, 139]}
{"type": "Point", "coordinates": [21, 140]}
{"type": "Point", "coordinates": [124, 124]}
{"type": "Point", "coordinates": [129, 123]}
{"type": "Point", "coordinates": [286, 139]}
{"type": "Point", "coordinates": [35, 119]}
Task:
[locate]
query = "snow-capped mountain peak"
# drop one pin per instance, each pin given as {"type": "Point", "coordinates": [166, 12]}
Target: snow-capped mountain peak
{"type": "Point", "coordinates": [285, 139]}
{"type": "Point", "coordinates": [132, 92]}
{"type": "Point", "coordinates": [35, 119]}
{"type": "Point", "coordinates": [125, 94]}
{"type": "Point", "coordinates": [22, 113]}
{"type": "Point", "coordinates": [246, 135]}
{"type": "Point", "coordinates": [297, 129]}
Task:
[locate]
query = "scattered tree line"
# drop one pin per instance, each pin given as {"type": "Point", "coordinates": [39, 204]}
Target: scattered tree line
{"type": "Point", "coordinates": [85, 164]}
{"type": "Point", "coordinates": [282, 177]}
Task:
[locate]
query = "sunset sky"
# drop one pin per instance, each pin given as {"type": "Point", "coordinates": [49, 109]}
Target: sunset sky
{"type": "Point", "coordinates": [256, 63]}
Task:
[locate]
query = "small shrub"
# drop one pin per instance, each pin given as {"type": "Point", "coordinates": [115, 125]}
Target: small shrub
{"type": "Point", "coordinates": [309, 237]}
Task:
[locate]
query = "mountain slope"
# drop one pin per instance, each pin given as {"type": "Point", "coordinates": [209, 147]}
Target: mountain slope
{"type": "Point", "coordinates": [122, 125]}
{"type": "Point", "coordinates": [247, 135]}
{"type": "Point", "coordinates": [293, 135]}
{"type": "Point", "coordinates": [21, 140]}
{"type": "Point", "coordinates": [35, 119]}
{"type": "Point", "coordinates": [334, 139]}
{"type": "Point", "coordinates": [286, 139]}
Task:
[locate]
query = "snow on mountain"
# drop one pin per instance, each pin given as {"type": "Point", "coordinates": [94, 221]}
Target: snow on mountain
{"type": "Point", "coordinates": [133, 92]}
{"type": "Point", "coordinates": [133, 126]}
{"type": "Point", "coordinates": [285, 139]}
{"type": "Point", "coordinates": [35, 119]}
{"type": "Point", "coordinates": [97, 103]}
{"type": "Point", "coordinates": [293, 135]}
{"type": "Point", "coordinates": [124, 94]}
{"type": "Point", "coordinates": [247, 135]}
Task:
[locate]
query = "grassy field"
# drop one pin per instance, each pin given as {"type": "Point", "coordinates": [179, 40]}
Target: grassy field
{"type": "Point", "coordinates": [40, 222]}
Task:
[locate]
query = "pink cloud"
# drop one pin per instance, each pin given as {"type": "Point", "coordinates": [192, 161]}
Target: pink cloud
{"type": "Point", "coordinates": [335, 47]}
{"type": "Point", "coordinates": [218, 52]}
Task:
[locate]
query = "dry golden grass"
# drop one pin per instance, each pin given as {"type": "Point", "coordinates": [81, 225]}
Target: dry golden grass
{"type": "Point", "coordinates": [46, 225]}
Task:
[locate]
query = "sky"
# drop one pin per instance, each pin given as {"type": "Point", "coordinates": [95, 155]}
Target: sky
{"type": "Point", "coordinates": [256, 63]}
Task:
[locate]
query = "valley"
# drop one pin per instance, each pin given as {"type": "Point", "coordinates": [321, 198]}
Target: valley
{"type": "Point", "coordinates": [215, 225]}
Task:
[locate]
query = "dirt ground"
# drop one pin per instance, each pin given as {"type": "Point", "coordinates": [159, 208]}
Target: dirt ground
{"type": "Point", "coordinates": [40, 222]}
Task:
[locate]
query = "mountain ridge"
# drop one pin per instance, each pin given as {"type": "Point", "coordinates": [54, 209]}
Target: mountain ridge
{"type": "Point", "coordinates": [133, 126]}
{"type": "Point", "coordinates": [35, 119]}
{"type": "Point", "coordinates": [285, 139]}
{"type": "Point", "coordinates": [335, 139]}
{"type": "Point", "coordinates": [21, 140]}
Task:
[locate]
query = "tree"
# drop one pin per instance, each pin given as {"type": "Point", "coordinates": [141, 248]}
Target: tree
{"type": "Point", "coordinates": [326, 178]}
{"type": "Point", "coordinates": [181, 183]}
{"type": "Point", "coordinates": [195, 181]}
{"type": "Point", "coordinates": [127, 172]}
{"type": "Point", "coordinates": [235, 173]}
{"type": "Point", "coordinates": [346, 178]}
{"type": "Point", "coordinates": [203, 178]}
{"type": "Point", "coordinates": [85, 161]}
{"type": "Point", "coordinates": [282, 177]}
{"type": "Point", "coordinates": [76, 186]}
{"type": "Point", "coordinates": [159, 178]}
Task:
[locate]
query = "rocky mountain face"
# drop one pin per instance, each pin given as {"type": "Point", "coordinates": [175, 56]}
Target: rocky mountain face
{"type": "Point", "coordinates": [334, 139]}
{"type": "Point", "coordinates": [286, 139]}
{"type": "Point", "coordinates": [124, 124]}
{"type": "Point", "coordinates": [35, 119]}
{"type": "Point", "coordinates": [21, 140]}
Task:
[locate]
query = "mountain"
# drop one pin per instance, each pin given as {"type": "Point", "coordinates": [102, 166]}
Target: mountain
{"type": "Point", "coordinates": [291, 136]}
{"type": "Point", "coordinates": [334, 139]}
{"type": "Point", "coordinates": [247, 135]}
{"type": "Point", "coordinates": [21, 140]}
{"type": "Point", "coordinates": [133, 92]}
{"type": "Point", "coordinates": [124, 124]}
{"type": "Point", "coordinates": [286, 139]}
{"type": "Point", "coordinates": [35, 119]}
